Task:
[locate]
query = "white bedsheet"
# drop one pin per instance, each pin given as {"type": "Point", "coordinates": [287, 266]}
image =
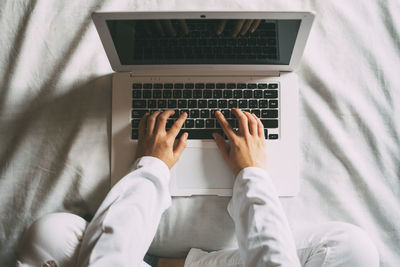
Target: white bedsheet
{"type": "Point", "coordinates": [55, 121]}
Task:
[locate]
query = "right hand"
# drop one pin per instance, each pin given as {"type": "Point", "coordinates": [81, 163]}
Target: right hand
{"type": "Point", "coordinates": [247, 146]}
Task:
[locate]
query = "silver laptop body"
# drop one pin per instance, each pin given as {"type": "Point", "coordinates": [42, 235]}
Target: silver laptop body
{"type": "Point", "coordinates": [151, 59]}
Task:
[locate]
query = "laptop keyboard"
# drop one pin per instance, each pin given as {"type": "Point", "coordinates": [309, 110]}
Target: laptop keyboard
{"type": "Point", "coordinates": [201, 100]}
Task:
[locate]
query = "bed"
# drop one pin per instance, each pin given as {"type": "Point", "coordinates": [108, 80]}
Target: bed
{"type": "Point", "coordinates": [55, 103]}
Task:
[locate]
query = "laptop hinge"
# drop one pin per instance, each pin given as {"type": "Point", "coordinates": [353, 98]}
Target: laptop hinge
{"type": "Point", "coordinates": [199, 73]}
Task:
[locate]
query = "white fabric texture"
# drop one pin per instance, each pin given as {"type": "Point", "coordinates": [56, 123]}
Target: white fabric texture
{"type": "Point", "coordinates": [55, 90]}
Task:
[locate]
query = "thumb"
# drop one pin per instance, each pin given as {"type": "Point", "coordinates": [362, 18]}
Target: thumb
{"type": "Point", "coordinates": [180, 146]}
{"type": "Point", "coordinates": [221, 145]}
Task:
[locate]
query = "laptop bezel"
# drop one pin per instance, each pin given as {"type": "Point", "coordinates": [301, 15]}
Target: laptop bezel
{"type": "Point", "coordinates": [100, 18]}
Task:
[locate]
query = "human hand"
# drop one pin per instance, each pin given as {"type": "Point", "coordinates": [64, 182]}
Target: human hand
{"type": "Point", "coordinates": [246, 146]}
{"type": "Point", "coordinates": [155, 141]}
{"type": "Point", "coordinates": [241, 26]}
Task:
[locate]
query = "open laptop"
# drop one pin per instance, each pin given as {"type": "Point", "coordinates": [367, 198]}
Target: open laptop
{"type": "Point", "coordinates": [195, 62]}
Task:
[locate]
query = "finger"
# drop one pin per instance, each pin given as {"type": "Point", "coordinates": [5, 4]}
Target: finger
{"type": "Point", "coordinates": [246, 26]}
{"type": "Point", "coordinates": [237, 28]}
{"type": "Point", "coordinates": [243, 124]}
{"type": "Point", "coordinates": [162, 120]}
{"type": "Point", "coordinates": [255, 25]}
{"type": "Point", "coordinates": [252, 123]}
{"type": "Point", "coordinates": [221, 26]}
{"type": "Point", "coordinates": [226, 127]}
{"type": "Point", "coordinates": [158, 27]}
{"type": "Point", "coordinates": [220, 141]}
{"type": "Point", "coordinates": [151, 122]}
{"type": "Point", "coordinates": [260, 127]}
{"type": "Point", "coordinates": [142, 125]}
{"type": "Point", "coordinates": [181, 145]}
{"type": "Point", "coordinates": [177, 126]}
{"type": "Point", "coordinates": [169, 28]}
{"type": "Point", "coordinates": [184, 27]}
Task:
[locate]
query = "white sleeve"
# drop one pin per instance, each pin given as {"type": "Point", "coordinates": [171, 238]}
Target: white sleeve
{"type": "Point", "coordinates": [262, 229]}
{"type": "Point", "coordinates": [126, 222]}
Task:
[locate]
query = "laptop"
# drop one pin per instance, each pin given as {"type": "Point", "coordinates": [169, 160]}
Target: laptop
{"type": "Point", "coordinates": [200, 62]}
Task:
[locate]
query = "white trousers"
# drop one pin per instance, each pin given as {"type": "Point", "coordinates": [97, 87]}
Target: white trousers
{"type": "Point", "coordinates": [57, 237]}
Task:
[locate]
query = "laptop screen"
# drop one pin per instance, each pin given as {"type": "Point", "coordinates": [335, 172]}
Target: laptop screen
{"type": "Point", "coordinates": [204, 41]}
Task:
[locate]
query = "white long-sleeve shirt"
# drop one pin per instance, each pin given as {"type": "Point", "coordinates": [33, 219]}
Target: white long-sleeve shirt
{"type": "Point", "coordinates": [125, 224]}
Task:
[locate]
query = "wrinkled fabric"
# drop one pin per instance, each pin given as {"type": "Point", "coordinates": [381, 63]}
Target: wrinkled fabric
{"type": "Point", "coordinates": [55, 104]}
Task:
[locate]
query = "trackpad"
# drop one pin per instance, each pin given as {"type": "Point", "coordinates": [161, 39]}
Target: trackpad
{"type": "Point", "coordinates": [203, 168]}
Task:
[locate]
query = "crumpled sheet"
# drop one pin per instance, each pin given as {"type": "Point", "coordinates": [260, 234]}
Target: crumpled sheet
{"type": "Point", "coordinates": [55, 121]}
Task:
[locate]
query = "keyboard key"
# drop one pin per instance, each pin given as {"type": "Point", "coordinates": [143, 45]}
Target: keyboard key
{"type": "Point", "coordinates": [273, 103]}
{"type": "Point", "coordinates": [135, 134]}
{"type": "Point", "coordinates": [138, 113]}
{"type": "Point", "coordinates": [171, 103]}
{"type": "Point", "coordinates": [210, 123]}
{"type": "Point", "coordinates": [189, 123]}
{"type": "Point", "coordinates": [271, 94]}
{"type": "Point", "coordinates": [270, 123]}
{"type": "Point", "coordinates": [135, 123]}
{"type": "Point", "coordinates": [266, 133]}
{"type": "Point", "coordinates": [242, 103]}
{"type": "Point", "coordinates": [162, 103]}
{"type": "Point", "coordinates": [237, 94]}
{"type": "Point", "coordinates": [199, 123]}
{"type": "Point", "coordinates": [227, 93]}
{"type": "Point", "coordinates": [241, 86]}
{"type": "Point", "coordinates": [184, 111]}
{"type": "Point", "coordinates": [139, 103]}
{"type": "Point", "coordinates": [168, 85]}
{"type": "Point", "coordinates": [256, 112]}
{"type": "Point", "coordinates": [248, 94]}
{"type": "Point", "coordinates": [232, 103]}
{"type": "Point", "coordinates": [212, 112]}
{"type": "Point", "coordinates": [194, 113]}
{"type": "Point", "coordinates": [212, 103]}
{"type": "Point", "coordinates": [189, 85]}
{"type": "Point", "coordinates": [199, 86]}
{"type": "Point", "coordinates": [169, 123]}
{"type": "Point", "coordinates": [202, 103]}
{"type": "Point", "coordinates": [158, 86]}
{"type": "Point", "coordinates": [263, 103]}
{"type": "Point", "coordinates": [226, 113]}
{"type": "Point", "coordinates": [157, 94]}
{"type": "Point", "coordinates": [251, 85]}
{"type": "Point", "coordinates": [137, 86]}
{"type": "Point", "coordinates": [231, 85]}
{"type": "Point", "coordinates": [136, 93]}
{"type": "Point", "coordinates": [262, 85]}
{"type": "Point", "coordinates": [220, 86]}
{"type": "Point", "coordinates": [176, 114]}
{"type": "Point", "coordinates": [258, 93]}
{"type": "Point", "coordinates": [177, 93]}
{"type": "Point", "coordinates": [200, 133]}
{"type": "Point", "coordinates": [217, 93]}
{"type": "Point", "coordinates": [253, 103]}
{"type": "Point", "coordinates": [146, 93]}
{"type": "Point", "coordinates": [147, 86]}
{"type": "Point", "coordinates": [192, 103]}
{"type": "Point", "coordinates": [178, 85]}
{"type": "Point", "coordinates": [272, 86]}
{"type": "Point", "coordinates": [187, 93]}
{"type": "Point", "coordinates": [182, 103]}
{"type": "Point", "coordinates": [210, 85]}
{"type": "Point", "coordinates": [232, 123]}
{"type": "Point", "coordinates": [204, 113]}
{"type": "Point", "coordinates": [207, 93]}
{"type": "Point", "coordinates": [269, 113]}
{"type": "Point", "coordinates": [167, 93]}
{"type": "Point", "coordinates": [222, 103]}
{"type": "Point", "coordinates": [152, 103]}
{"type": "Point", "coordinates": [273, 136]}
{"type": "Point", "coordinates": [197, 93]}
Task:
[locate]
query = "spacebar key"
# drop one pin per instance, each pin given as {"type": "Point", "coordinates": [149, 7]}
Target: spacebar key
{"type": "Point", "coordinates": [200, 133]}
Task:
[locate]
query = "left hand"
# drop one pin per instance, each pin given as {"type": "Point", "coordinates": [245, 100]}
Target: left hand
{"type": "Point", "coordinates": [155, 141]}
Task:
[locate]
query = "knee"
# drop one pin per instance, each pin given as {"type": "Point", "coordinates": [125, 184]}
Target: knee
{"type": "Point", "coordinates": [350, 245]}
{"type": "Point", "coordinates": [52, 237]}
